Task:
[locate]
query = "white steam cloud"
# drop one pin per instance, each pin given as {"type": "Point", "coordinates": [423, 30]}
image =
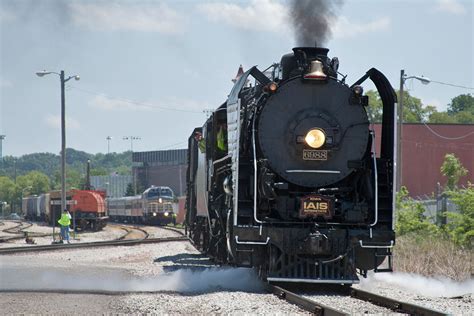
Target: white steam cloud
{"type": "Point", "coordinates": [415, 283]}
{"type": "Point", "coordinates": [182, 281]}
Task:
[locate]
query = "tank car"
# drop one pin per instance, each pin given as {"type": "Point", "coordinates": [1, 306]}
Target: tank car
{"type": "Point", "coordinates": [299, 191]}
{"type": "Point", "coordinates": [87, 208]}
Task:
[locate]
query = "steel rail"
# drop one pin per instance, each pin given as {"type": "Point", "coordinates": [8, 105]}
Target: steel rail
{"type": "Point", "coordinates": [372, 298]}
{"type": "Point", "coordinates": [129, 242]}
{"type": "Point", "coordinates": [304, 303]}
{"type": "Point", "coordinates": [393, 304]}
{"type": "Point", "coordinates": [130, 229]}
{"type": "Point", "coordinates": [174, 229]}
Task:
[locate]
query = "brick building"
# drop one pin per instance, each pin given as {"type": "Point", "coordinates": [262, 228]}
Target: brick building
{"type": "Point", "coordinates": [424, 147]}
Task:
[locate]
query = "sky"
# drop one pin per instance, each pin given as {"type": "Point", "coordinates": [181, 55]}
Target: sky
{"type": "Point", "coordinates": [150, 69]}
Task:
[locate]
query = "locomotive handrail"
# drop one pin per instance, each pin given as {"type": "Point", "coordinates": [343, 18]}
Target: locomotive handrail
{"type": "Point", "coordinates": [251, 242]}
{"type": "Point", "coordinates": [376, 184]}
{"type": "Point", "coordinates": [311, 171]}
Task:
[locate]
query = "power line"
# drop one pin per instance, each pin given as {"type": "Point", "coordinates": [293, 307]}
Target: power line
{"type": "Point", "coordinates": [172, 145]}
{"type": "Point", "coordinates": [142, 104]}
{"type": "Point", "coordinates": [445, 137]}
{"type": "Point", "coordinates": [452, 85]}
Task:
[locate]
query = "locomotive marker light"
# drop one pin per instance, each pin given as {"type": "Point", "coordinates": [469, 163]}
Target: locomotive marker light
{"type": "Point", "coordinates": [315, 138]}
{"type": "Point", "coordinates": [63, 81]}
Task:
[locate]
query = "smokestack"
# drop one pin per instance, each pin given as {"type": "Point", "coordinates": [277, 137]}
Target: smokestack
{"type": "Point", "coordinates": [87, 186]}
{"type": "Point", "coordinates": [312, 20]}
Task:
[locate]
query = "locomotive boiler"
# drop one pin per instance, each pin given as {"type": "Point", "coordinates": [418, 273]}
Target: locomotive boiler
{"type": "Point", "coordinates": [286, 175]}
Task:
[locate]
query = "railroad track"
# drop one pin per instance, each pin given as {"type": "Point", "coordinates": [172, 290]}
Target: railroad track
{"type": "Point", "coordinates": [19, 231]}
{"type": "Point", "coordinates": [322, 309]}
{"type": "Point", "coordinates": [131, 230]}
{"type": "Point", "coordinates": [109, 243]}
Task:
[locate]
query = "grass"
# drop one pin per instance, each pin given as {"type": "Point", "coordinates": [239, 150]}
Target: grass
{"type": "Point", "coordinates": [433, 256]}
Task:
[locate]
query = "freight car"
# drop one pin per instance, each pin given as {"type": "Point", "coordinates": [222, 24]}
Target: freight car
{"type": "Point", "coordinates": [87, 208]}
{"type": "Point", "coordinates": [154, 206]}
{"type": "Point", "coordinates": [284, 176]}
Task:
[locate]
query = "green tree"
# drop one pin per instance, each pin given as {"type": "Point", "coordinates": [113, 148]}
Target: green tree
{"type": "Point", "coordinates": [441, 118]}
{"type": "Point", "coordinates": [463, 102]}
{"type": "Point", "coordinates": [374, 110]}
{"type": "Point", "coordinates": [36, 182]}
{"type": "Point", "coordinates": [461, 225]}
{"type": "Point", "coordinates": [453, 169]}
{"type": "Point", "coordinates": [7, 189]}
{"type": "Point", "coordinates": [413, 109]}
{"type": "Point", "coordinates": [464, 117]}
{"type": "Point", "coordinates": [129, 191]}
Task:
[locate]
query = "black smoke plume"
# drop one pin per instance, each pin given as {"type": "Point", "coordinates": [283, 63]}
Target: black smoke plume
{"type": "Point", "coordinates": [312, 20]}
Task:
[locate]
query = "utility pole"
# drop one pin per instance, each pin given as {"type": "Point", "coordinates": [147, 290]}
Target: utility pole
{"type": "Point", "coordinates": [132, 138]}
{"type": "Point", "coordinates": [63, 81]}
{"type": "Point", "coordinates": [63, 143]}
{"type": "Point", "coordinates": [403, 78]}
{"type": "Point", "coordinates": [2, 137]}
{"type": "Point", "coordinates": [108, 138]}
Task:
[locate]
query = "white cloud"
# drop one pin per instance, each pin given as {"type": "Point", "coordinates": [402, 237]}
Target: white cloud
{"type": "Point", "coordinates": [273, 16]}
{"type": "Point", "coordinates": [266, 15]}
{"type": "Point", "coordinates": [127, 17]}
{"type": "Point", "coordinates": [54, 121]}
{"type": "Point", "coordinates": [450, 6]}
{"type": "Point", "coordinates": [343, 28]}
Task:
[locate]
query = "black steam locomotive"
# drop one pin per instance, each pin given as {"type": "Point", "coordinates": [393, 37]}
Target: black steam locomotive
{"type": "Point", "coordinates": [285, 177]}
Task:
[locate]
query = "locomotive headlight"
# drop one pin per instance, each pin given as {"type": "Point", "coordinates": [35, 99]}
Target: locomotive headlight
{"type": "Point", "coordinates": [154, 213]}
{"type": "Point", "coordinates": [315, 138]}
{"type": "Point", "coordinates": [166, 213]}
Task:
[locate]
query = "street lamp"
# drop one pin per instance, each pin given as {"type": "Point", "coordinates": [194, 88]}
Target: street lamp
{"type": "Point", "coordinates": [403, 77]}
{"type": "Point", "coordinates": [2, 206]}
{"type": "Point", "coordinates": [63, 80]}
{"type": "Point", "coordinates": [108, 138]}
{"type": "Point", "coordinates": [132, 138]}
{"type": "Point", "coordinates": [2, 137]}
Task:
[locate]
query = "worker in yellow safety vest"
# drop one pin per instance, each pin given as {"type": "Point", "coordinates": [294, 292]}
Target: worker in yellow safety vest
{"type": "Point", "coordinates": [64, 222]}
{"type": "Point", "coordinates": [222, 138]}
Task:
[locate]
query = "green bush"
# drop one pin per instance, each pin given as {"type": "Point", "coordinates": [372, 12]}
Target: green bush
{"type": "Point", "coordinates": [410, 218]}
{"type": "Point", "coordinates": [460, 226]}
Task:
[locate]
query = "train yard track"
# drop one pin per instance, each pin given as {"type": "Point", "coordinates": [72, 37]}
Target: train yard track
{"type": "Point", "coordinates": [110, 243]}
{"type": "Point", "coordinates": [318, 308]}
{"type": "Point", "coordinates": [132, 231]}
{"type": "Point", "coordinates": [19, 231]}
{"type": "Point", "coordinates": [134, 235]}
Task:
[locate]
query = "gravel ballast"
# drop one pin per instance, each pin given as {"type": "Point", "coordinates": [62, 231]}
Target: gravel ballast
{"type": "Point", "coordinates": [183, 282]}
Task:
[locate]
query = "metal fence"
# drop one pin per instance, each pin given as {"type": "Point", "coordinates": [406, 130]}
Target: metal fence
{"type": "Point", "coordinates": [435, 209]}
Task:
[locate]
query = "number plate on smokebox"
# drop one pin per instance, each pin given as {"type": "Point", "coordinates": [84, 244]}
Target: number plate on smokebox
{"type": "Point", "coordinates": [316, 205]}
{"type": "Point", "coordinates": [315, 154]}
